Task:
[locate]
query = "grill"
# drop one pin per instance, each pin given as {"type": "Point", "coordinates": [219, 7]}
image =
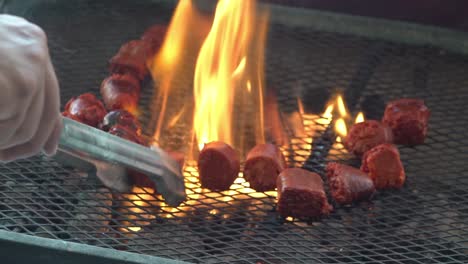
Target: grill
{"type": "Point", "coordinates": [424, 222]}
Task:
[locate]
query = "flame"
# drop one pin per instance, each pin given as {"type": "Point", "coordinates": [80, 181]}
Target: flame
{"type": "Point", "coordinates": [180, 46]}
{"type": "Point", "coordinates": [224, 65]}
{"type": "Point", "coordinates": [359, 118]}
{"type": "Point", "coordinates": [340, 127]}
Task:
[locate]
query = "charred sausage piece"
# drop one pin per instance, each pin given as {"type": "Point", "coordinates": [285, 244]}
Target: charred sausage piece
{"type": "Point", "coordinates": [127, 133]}
{"type": "Point", "coordinates": [154, 38]}
{"type": "Point", "coordinates": [86, 109]}
{"type": "Point", "coordinates": [408, 119]}
{"type": "Point", "coordinates": [120, 117]}
{"type": "Point", "coordinates": [384, 166]}
{"type": "Point", "coordinates": [121, 91]}
{"type": "Point", "coordinates": [264, 163]}
{"type": "Point", "coordinates": [301, 194]}
{"type": "Point", "coordinates": [218, 166]}
{"type": "Point", "coordinates": [131, 59]}
{"type": "Point", "coordinates": [366, 135]}
{"type": "Point", "coordinates": [348, 184]}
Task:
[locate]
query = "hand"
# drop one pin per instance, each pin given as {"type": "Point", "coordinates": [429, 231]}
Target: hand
{"type": "Point", "coordinates": [30, 119]}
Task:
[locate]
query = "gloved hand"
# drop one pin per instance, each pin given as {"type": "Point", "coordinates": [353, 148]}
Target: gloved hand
{"type": "Point", "coordinates": [30, 119]}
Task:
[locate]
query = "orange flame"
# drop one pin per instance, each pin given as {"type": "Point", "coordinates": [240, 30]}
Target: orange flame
{"type": "Point", "coordinates": [229, 67]}
{"type": "Point", "coordinates": [337, 109]}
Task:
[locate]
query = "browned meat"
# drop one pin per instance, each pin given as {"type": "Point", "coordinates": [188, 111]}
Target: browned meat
{"type": "Point", "coordinates": [218, 166]}
{"type": "Point", "coordinates": [121, 91]}
{"type": "Point", "coordinates": [366, 135]}
{"type": "Point", "coordinates": [131, 59]}
{"type": "Point", "coordinates": [120, 117]}
{"type": "Point", "coordinates": [384, 166]}
{"type": "Point", "coordinates": [263, 164]}
{"type": "Point", "coordinates": [408, 119]}
{"type": "Point", "coordinates": [348, 184]}
{"type": "Point", "coordinates": [154, 37]}
{"type": "Point", "coordinates": [86, 109]}
{"type": "Point", "coordinates": [301, 194]}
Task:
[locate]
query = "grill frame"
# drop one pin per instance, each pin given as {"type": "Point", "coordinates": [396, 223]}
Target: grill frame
{"type": "Point", "coordinates": [412, 34]}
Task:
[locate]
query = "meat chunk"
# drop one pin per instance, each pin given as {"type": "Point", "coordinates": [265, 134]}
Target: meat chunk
{"type": "Point", "coordinates": [348, 184]}
{"type": "Point", "coordinates": [408, 119]}
{"type": "Point", "coordinates": [120, 117]}
{"type": "Point", "coordinates": [86, 109]}
{"type": "Point", "coordinates": [301, 194]}
{"type": "Point", "coordinates": [128, 134]}
{"type": "Point", "coordinates": [121, 91]}
{"type": "Point", "coordinates": [154, 38]}
{"type": "Point", "coordinates": [131, 59]}
{"type": "Point", "coordinates": [384, 166]}
{"type": "Point", "coordinates": [366, 135]}
{"type": "Point", "coordinates": [263, 164]}
{"type": "Point", "coordinates": [218, 166]}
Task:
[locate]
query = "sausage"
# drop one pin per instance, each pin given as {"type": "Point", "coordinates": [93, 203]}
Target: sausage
{"type": "Point", "coordinates": [131, 59]}
{"type": "Point", "coordinates": [154, 38]}
{"type": "Point", "coordinates": [120, 91]}
{"type": "Point", "coordinates": [218, 166]}
{"type": "Point", "coordinates": [120, 117]}
{"type": "Point", "coordinates": [263, 164]}
{"type": "Point", "coordinates": [384, 166]}
{"type": "Point", "coordinates": [85, 108]}
{"type": "Point", "coordinates": [301, 194]}
{"type": "Point", "coordinates": [348, 184]}
{"type": "Point", "coordinates": [128, 134]}
{"type": "Point", "coordinates": [366, 135]}
{"type": "Point", "coordinates": [408, 119]}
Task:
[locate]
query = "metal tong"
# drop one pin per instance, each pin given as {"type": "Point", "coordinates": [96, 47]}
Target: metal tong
{"type": "Point", "coordinates": [112, 156]}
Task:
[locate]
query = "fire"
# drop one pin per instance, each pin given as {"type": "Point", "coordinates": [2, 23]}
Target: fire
{"type": "Point", "coordinates": [230, 67]}
{"type": "Point", "coordinates": [336, 109]}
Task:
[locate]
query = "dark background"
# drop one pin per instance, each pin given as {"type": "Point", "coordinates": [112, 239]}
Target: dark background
{"type": "Point", "coordinates": [451, 14]}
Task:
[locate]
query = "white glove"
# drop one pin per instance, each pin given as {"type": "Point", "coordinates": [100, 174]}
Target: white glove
{"type": "Point", "coordinates": [30, 119]}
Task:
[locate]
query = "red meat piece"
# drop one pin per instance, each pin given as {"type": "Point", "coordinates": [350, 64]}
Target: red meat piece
{"type": "Point", "coordinates": [264, 163]}
{"type": "Point", "coordinates": [384, 166]}
{"type": "Point", "coordinates": [301, 194]}
{"type": "Point", "coordinates": [218, 166]}
{"type": "Point", "coordinates": [408, 119]}
{"type": "Point", "coordinates": [348, 184]}
{"type": "Point", "coordinates": [127, 133]}
{"type": "Point", "coordinates": [120, 91]}
{"type": "Point", "coordinates": [120, 117]}
{"type": "Point", "coordinates": [366, 135]}
{"type": "Point", "coordinates": [86, 109]}
{"type": "Point", "coordinates": [154, 37]}
{"type": "Point", "coordinates": [131, 59]}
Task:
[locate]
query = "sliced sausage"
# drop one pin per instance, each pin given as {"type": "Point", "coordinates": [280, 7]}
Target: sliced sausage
{"type": "Point", "coordinates": [86, 108]}
{"type": "Point", "coordinates": [120, 117]}
{"type": "Point", "coordinates": [384, 166]}
{"type": "Point", "coordinates": [263, 164]}
{"type": "Point", "coordinates": [131, 59]}
{"type": "Point", "coordinates": [301, 194]}
{"type": "Point", "coordinates": [121, 91]}
{"type": "Point", "coordinates": [348, 184]}
{"type": "Point", "coordinates": [366, 135]}
{"type": "Point", "coordinates": [218, 166]}
{"type": "Point", "coordinates": [408, 119]}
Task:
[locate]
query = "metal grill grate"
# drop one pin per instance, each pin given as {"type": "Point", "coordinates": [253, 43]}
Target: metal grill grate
{"type": "Point", "coordinates": [425, 222]}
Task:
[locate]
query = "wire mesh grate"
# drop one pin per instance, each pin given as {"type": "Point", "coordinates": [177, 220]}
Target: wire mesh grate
{"type": "Point", "coordinates": [424, 222]}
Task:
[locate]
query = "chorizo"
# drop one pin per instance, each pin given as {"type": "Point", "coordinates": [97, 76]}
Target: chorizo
{"type": "Point", "coordinates": [384, 167]}
{"type": "Point", "coordinates": [366, 135]}
{"type": "Point", "coordinates": [408, 118]}
{"type": "Point", "coordinates": [218, 166]}
{"type": "Point", "coordinates": [263, 164]}
{"type": "Point", "coordinates": [348, 184]}
{"type": "Point", "coordinates": [301, 194]}
{"type": "Point", "coordinates": [85, 108]}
